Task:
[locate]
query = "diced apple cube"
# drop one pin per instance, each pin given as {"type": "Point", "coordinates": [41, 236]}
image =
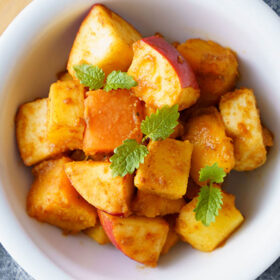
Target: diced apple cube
{"type": "Point", "coordinates": [215, 67]}
{"type": "Point", "coordinates": [165, 170]}
{"type": "Point", "coordinates": [95, 183]}
{"type": "Point", "coordinates": [111, 117]}
{"type": "Point", "coordinates": [206, 131]}
{"type": "Point", "coordinates": [98, 234]}
{"type": "Point", "coordinates": [140, 238]}
{"type": "Point", "coordinates": [242, 121]}
{"type": "Point", "coordinates": [208, 238]}
{"type": "Point", "coordinates": [65, 114]}
{"type": "Point", "coordinates": [104, 39]}
{"type": "Point", "coordinates": [52, 199]}
{"type": "Point", "coordinates": [31, 133]}
{"type": "Point", "coordinates": [163, 75]}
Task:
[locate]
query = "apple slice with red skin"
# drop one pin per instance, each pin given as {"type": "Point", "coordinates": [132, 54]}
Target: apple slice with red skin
{"type": "Point", "coordinates": [164, 77]}
{"type": "Point", "coordinates": [140, 238]}
{"type": "Point", "coordinates": [93, 180]}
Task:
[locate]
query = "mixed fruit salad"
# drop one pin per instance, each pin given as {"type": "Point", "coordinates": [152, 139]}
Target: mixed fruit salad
{"type": "Point", "coordinates": [134, 141]}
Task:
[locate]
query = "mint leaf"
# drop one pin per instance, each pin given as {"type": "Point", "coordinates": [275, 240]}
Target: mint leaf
{"type": "Point", "coordinates": [161, 124]}
{"type": "Point", "coordinates": [213, 174]}
{"type": "Point", "coordinates": [118, 79]}
{"type": "Point", "coordinates": [127, 157]}
{"type": "Point", "coordinates": [209, 198]}
{"type": "Point", "coordinates": [89, 75]}
{"type": "Point", "coordinates": [208, 205]}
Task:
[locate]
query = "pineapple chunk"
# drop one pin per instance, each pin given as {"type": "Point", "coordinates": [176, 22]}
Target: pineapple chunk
{"type": "Point", "coordinates": [65, 76]}
{"type": "Point", "coordinates": [242, 121]}
{"type": "Point", "coordinates": [104, 39]}
{"type": "Point", "coordinates": [165, 170]}
{"type": "Point", "coordinates": [98, 234]}
{"type": "Point", "coordinates": [267, 137]}
{"type": "Point", "coordinates": [206, 131]}
{"type": "Point", "coordinates": [172, 237]}
{"type": "Point", "coordinates": [178, 131]}
{"type": "Point", "coordinates": [31, 133]}
{"type": "Point", "coordinates": [111, 117]}
{"type": "Point", "coordinates": [65, 114]}
{"type": "Point", "coordinates": [94, 181]}
{"type": "Point", "coordinates": [150, 205]}
{"type": "Point", "coordinates": [171, 240]}
{"type": "Point", "coordinates": [208, 238]}
{"type": "Point", "coordinates": [193, 189]}
{"type": "Point", "coordinates": [140, 238]}
{"type": "Point", "coordinates": [216, 68]}
{"type": "Point", "coordinates": [52, 199]}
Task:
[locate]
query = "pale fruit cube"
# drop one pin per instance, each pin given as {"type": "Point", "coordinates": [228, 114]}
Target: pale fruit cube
{"type": "Point", "coordinates": [165, 170]}
{"type": "Point", "coordinates": [171, 240]}
{"type": "Point", "coordinates": [95, 183]}
{"type": "Point", "coordinates": [65, 114]}
{"type": "Point", "coordinates": [163, 75]}
{"type": "Point", "coordinates": [268, 138]}
{"type": "Point", "coordinates": [206, 131]}
{"type": "Point", "coordinates": [52, 199]}
{"type": "Point", "coordinates": [242, 121]}
{"type": "Point", "coordinates": [98, 234]}
{"type": "Point", "coordinates": [151, 205]}
{"type": "Point", "coordinates": [215, 67]}
{"type": "Point", "coordinates": [208, 238]}
{"type": "Point", "coordinates": [192, 190]}
{"type": "Point", "coordinates": [178, 131]}
{"type": "Point", "coordinates": [140, 238]}
{"type": "Point", "coordinates": [31, 133]}
{"type": "Point", "coordinates": [172, 237]}
{"type": "Point", "coordinates": [65, 76]}
{"type": "Point", "coordinates": [104, 39]}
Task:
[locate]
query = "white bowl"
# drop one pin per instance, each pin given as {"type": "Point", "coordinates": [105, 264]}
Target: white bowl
{"type": "Point", "coordinates": [35, 47]}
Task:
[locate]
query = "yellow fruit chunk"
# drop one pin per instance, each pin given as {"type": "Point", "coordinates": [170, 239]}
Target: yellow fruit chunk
{"type": "Point", "coordinates": [165, 170]}
{"type": "Point", "coordinates": [104, 39]}
{"type": "Point", "coordinates": [52, 199]}
{"type": "Point", "coordinates": [31, 133]}
{"type": "Point", "coordinates": [66, 114]}
{"type": "Point", "coordinates": [242, 121]}
{"type": "Point", "coordinates": [151, 205]}
{"type": "Point", "coordinates": [206, 131]}
{"type": "Point", "coordinates": [215, 67]}
{"type": "Point", "coordinates": [98, 234]}
{"type": "Point", "coordinates": [208, 238]}
{"type": "Point", "coordinates": [95, 183]}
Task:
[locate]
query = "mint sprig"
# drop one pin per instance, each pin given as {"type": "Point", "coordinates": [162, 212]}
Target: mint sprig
{"type": "Point", "coordinates": [127, 157]}
{"type": "Point", "coordinates": [210, 198]}
{"type": "Point", "coordinates": [118, 79]}
{"type": "Point", "coordinates": [93, 77]}
{"type": "Point", "coordinates": [160, 125]}
{"type": "Point", "coordinates": [89, 75]}
{"type": "Point", "coordinates": [130, 154]}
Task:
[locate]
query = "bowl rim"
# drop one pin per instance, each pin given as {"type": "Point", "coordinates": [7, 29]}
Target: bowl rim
{"type": "Point", "coordinates": [9, 220]}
